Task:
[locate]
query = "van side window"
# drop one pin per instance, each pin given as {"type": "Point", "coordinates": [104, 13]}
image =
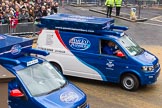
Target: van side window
{"type": "Point", "coordinates": [108, 47]}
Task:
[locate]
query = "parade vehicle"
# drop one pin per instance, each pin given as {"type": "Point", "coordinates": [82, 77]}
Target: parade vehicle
{"type": "Point", "coordinates": [76, 46]}
{"type": "Point", "coordinates": [37, 84]}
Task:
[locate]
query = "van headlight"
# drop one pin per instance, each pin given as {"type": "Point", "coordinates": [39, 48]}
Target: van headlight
{"type": "Point", "coordinates": [148, 68]}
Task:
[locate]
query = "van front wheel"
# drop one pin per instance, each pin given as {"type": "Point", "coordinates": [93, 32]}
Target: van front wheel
{"type": "Point", "coordinates": [129, 82]}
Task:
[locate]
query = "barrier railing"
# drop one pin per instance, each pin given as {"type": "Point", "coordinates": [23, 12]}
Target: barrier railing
{"type": "Point", "coordinates": [21, 28]}
{"type": "Point", "coordinates": [4, 28]}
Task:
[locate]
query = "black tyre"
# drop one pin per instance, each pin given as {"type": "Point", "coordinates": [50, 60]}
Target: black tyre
{"type": "Point", "coordinates": [129, 82]}
{"type": "Point", "coordinates": [57, 67]}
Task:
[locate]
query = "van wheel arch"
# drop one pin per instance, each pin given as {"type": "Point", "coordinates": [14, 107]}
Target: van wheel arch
{"type": "Point", "coordinates": [58, 67]}
{"type": "Point", "coordinates": [130, 81]}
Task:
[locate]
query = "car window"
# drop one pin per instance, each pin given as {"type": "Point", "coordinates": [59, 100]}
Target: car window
{"type": "Point", "coordinates": [130, 45]}
{"type": "Point", "coordinates": [41, 78]}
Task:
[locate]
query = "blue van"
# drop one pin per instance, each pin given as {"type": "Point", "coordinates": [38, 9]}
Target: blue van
{"type": "Point", "coordinates": [37, 84]}
{"type": "Point", "coordinates": [78, 44]}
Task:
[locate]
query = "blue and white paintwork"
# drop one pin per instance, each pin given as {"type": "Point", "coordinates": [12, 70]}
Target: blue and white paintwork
{"type": "Point", "coordinates": [77, 50]}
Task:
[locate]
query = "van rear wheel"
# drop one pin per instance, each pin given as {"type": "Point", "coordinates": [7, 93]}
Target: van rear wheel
{"type": "Point", "coordinates": [57, 67]}
{"type": "Point", "coordinates": [129, 82]}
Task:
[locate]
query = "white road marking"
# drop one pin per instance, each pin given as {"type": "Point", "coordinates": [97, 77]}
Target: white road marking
{"type": "Point", "coordinates": [83, 9]}
{"type": "Point", "coordinates": [150, 24]}
{"type": "Point", "coordinates": [156, 19]}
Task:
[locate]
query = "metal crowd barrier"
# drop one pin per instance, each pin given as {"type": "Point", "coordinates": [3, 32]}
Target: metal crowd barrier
{"type": "Point", "coordinates": [20, 29]}
{"type": "Point", "coordinates": [4, 28]}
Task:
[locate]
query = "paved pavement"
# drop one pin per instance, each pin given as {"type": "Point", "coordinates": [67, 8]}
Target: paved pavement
{"type": "Point", "coordinates": [145, 33]}
{"type": "Point", "coordinates": [123, 15]}
{"type": "Point", "coordinates": [143, 14]}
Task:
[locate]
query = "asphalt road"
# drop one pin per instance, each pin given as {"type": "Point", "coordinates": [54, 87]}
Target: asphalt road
{"type": "Point", "coordinates": [145, 33]}
{"type": "Point", "coordinates": [108, 95]}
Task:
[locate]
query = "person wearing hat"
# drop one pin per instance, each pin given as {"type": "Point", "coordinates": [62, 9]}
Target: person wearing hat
{"type": "Point", "coordinates": [23, 16]}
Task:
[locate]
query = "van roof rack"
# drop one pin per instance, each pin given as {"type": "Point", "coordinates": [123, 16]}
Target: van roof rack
{"type": "Point", "coordinates": [70, 22]}
{"type": "Point", "coordinates": [12, 47]}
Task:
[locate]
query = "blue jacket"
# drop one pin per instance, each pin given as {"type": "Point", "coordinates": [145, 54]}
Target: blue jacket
{"type": "Point", "coordinates": [109, 50]}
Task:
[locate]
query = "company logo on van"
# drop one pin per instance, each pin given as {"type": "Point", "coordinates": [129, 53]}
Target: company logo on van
{"type": "Point", "coordinates": [69, 97]}
{"type": "Point", "coordinates": [16, 49]}
{"type": "Point", "coordinates": [149, 56]}
{"type": "Point", "coordinates": [2, 37]}
{"type": "Point", "coordinates": [107, 26]}
{"type": "Point", "coordinates": [79, 43]}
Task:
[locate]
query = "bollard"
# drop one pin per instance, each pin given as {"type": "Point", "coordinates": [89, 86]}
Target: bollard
{"type": "Point", "coordinates": [5, 77]}
{"type": "Point", "coordinates": [133, 14]}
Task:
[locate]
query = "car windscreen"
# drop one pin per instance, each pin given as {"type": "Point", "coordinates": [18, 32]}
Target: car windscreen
{"type": "Point", "coordinates": [130, 45]}
{"type": "Point", "coordinates": [41, 79]}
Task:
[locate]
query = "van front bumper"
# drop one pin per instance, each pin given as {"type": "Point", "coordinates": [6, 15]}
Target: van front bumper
{"type": "Point", "coordinates": [151, 77]}
{"type": "Point", "coordinates": [88, 106]}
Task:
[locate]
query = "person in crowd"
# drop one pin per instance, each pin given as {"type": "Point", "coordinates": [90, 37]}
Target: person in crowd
{"type": "Point", "coordinates": [118, 4]}
{"type": "Point", "coordinates": [110, 5]}
{"type": "Point", "coordinates": [12, 11]}
{"type": "Point", "coordinates": [48, 10]}
{"type": "Point", "coordinates": [24, 15]}
{"type": "Point", "coordinates": [7, 2]}
{"type": "Point", "coordinates": [54, 8]}
{"type": "Point", "coordinates": [3, 6]}
{"type": "Point", "coordinates": [2, 18]}
{"type": "Point", "coordinates": [22, 4]}
{"type": "Point", "coordinates": [29, 6]}
{"type": "Point", "coordinates": [31, 15]}
{"type": "Point", "coordinates": [17, 12]}
{"type": "Point", "coordinates": [43, 2]}
{"type": "Point", "coordinates": [11, 5]}
{"type": "Point", "coordinates": [7, 15]}
{"type": "Point", "coordinates": [13, 22]}
{"type": "Point", "coordinates": [43, 10]}
{"type": "Point", "coordinates": [37, 13]}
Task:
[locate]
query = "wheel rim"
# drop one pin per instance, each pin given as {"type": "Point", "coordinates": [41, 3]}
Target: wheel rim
{"type": "Point", "coordinates": [128, 83]}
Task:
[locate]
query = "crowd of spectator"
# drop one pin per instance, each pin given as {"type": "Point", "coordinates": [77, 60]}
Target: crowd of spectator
{"type": "Point", "coordinates": [26, 10]}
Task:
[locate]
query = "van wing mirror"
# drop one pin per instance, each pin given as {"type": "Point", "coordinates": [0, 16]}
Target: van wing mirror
{"type": "Point", "coordinates": [16, 93]}
{"type": "Point", "coordinates": [120, 54]}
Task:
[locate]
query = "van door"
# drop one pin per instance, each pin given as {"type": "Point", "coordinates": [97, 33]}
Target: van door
{"type": "Point", "coordinates": [111, 67]}
{"type": "Point", "coordinates": [105, 67]}
{"type": "Point", "coordinates": [110, 64]}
